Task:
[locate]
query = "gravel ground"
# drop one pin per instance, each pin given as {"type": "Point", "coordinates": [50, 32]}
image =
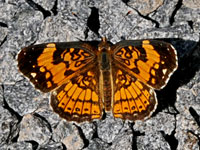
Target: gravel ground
{"type": "Point", "coordinates": [28, 122]}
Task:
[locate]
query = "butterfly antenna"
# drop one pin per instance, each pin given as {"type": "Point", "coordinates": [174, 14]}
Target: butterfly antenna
{"type": "Point", "coordinates": [104, 39]}
{"type": "Point", "coordinates": [117, 26]}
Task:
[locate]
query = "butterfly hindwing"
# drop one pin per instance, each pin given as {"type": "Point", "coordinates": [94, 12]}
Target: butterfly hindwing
{"type": "Point", "coordinates": [132, 99]}
{"type": "Point", "coordinates": [50, 65]}
{"type": "Point", "coordinates": [151, 61]}
{"type": "Point", "coordinates": [79, 99]}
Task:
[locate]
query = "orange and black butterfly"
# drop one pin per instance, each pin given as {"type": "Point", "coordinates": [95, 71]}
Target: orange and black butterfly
{"type": "Point", "coordinates": [86, 78]}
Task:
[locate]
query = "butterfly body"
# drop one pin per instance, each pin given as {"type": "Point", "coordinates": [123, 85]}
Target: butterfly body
{"type": "Point", "coordinates": [105, 60]}
{"type": "Point", "coordinates": [86, 78]}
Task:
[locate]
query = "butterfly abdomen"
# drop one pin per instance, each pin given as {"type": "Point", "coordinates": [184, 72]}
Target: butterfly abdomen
{"type": "Point", "coordinates": [107, 91]}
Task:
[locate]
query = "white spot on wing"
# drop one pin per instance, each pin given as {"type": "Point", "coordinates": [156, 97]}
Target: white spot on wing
{"type": "Point", "coordinates": [33, 74]}
{"type": "Point", "coordinates": [54, 93]}
{"type": "Point", "coordinates": [164, 71]}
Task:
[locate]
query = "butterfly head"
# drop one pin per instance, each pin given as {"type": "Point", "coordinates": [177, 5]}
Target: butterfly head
{"type": "Point", "coordinates": [104, 45]}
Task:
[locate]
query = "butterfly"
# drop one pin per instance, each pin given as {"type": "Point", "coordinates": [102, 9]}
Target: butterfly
{"type": "Point", "coordinates": [85, 78]}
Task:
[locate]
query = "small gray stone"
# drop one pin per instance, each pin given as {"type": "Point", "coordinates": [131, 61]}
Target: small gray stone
{"type": "Point", "coordinates": [88, 129]}
{"type": "Point", "coordinates": [33, 128]}
{"type": "Point", "coordinates": [68, 134]}
{"type": "Point", "coordinates": [6, 12]}
{"type": "Point", "coordinates": [52, 146]}
{"type": "Point", "coordinates": [46, 4]}
{"type": "Point", "coordinates": [7, 124]}
{"type": "Point", "coordinates": [8, 76]}
{"type": "Point", "coordinates": [20, 146]}
{"type": "Point", "coordinates": [189, 16]}
{"type": "Point", "coordinates": [145, 7]}
{"type": "Point", "coordinates": [163, 14]}
{"type": "Point", "coordinates": [109, 128]}
{"type": "Point", "coordinates": [161, 122]}
{"type": "Point", "coordinates": [123, 141]}
{"type": "Point", "coordinates": [29, 22]}
{"type": "Point", "coordinates": [96, 143]}
{"type": "Point", "coordinates": [1, 95]}
{"type": "Point", "coordinates": [3, 34]}
{"type": "Point", "coordinates": [44, 109]}
{"type": "Point", "coordinates": [152, 141]}
{"type": "Point", "coordinates": [188, 98]}
{"type": "Point", "coordinates": [22, 97]}
{"type": "Point", "coordinates": [194, 4]}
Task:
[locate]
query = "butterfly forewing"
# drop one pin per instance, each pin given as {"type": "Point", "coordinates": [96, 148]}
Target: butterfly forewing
{"type": "Point", "coordinates": [50, 65]}
{"type": "Point", "coordinates": [79, 99]}
{"type": "Point", "coordinates": [150, 61]}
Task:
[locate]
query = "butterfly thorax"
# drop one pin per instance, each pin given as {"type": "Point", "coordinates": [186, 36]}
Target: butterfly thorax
{"type": "Point", "coordinates": [105, 69]}
{"type": "Point", "coordinates": [104, 54]}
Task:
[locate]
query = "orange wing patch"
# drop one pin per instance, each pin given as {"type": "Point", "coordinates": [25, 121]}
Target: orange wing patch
{"type": "Point", "coordinates": [132, 99]}
{"type": "Point", "coordinates": [152, 62]}
{"type": "Point", "coordinates": [79, 99]}
{"type": "Point", "coordinates": [50, 65]}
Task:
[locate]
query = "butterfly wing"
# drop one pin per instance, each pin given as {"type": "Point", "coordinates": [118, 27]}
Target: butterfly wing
{"type": "Point", "coordinates": [138, 68]}
{"type": "Point", "coordinates": [150, 61]}
{"type": "Point", "coordinates": [79, 99]}
{"type": "Point", "coordinates": [132, 99]}
{"type": "Point", "coordinates": [50, 65]}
